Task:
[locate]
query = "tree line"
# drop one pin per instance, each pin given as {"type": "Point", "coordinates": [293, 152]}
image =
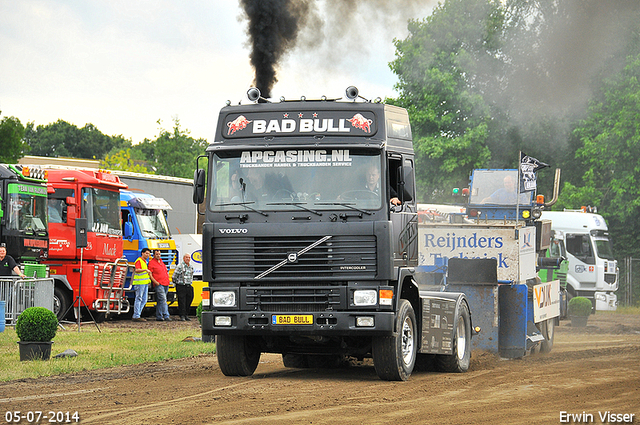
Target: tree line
{"type": "Point", "coordinates": [559, 80]}
{"type": "Point", "coordinates": [171, 153]}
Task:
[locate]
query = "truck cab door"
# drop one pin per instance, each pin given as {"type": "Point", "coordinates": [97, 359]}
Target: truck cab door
{"type": "Point", "coordinates": [404, 218]}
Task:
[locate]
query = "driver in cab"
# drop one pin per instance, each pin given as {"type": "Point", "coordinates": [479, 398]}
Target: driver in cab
{"type": "Point", "coordinates": [268, 186]}
{"type": "Point", "coordinates": [373, 184]}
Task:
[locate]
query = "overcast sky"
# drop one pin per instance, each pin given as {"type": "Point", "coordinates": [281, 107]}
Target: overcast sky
{"type": "Point", "coordinates": [123, 64]}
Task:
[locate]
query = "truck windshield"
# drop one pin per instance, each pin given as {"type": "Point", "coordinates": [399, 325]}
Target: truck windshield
{"type": "Point", "coordinates": [101, 208]}
{"type": "Point", "coordinates": [603, 248]}
{"type": "Point", "coordinates": [579, 245]}
{"type": "Point", "coordinates": [279, 180]}
{"type": "Point", "coordinates": [27, 207]}
{"type": "Point", "coordinates": [152, 223]}
{"type": "Point", "coordinates": [496, 187]}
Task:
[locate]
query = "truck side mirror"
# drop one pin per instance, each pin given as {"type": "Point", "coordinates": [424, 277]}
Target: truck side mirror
{"type": "Point", "coordinates": [72, 212]}
{"type": "Point", "coordinates": [199, 180]}
{"type": "Point", "coordinates": [408, 186]}
{"type": "Point", "coordinates": [128, 230]}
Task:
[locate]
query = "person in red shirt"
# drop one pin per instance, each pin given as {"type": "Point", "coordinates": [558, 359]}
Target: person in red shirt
{"type": "Point", "coordinates": [160, 279]}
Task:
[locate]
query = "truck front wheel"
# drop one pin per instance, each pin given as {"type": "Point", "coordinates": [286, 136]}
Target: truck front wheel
{"type": "Point", "coordinates": [394, 356]}
{"type": "Point", "coordinates": [459, 360]}
{"type": "Point", "coordinates": [237, 355]}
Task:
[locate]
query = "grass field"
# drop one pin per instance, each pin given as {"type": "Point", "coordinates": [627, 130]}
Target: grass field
{"type": "Point", "coordinates": [623, 310]}
{"type": "Point", "coordinates": [96, 350]}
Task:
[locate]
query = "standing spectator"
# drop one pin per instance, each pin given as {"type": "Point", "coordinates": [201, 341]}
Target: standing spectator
{"type": "Point", "coordinates": [160, 278]}
{"type": "Point", "coordinates": [8, 264]}
{"type": "Point", "coordinates": [141, 281]}
{"type": "Point", "coordinates": [182, 279]}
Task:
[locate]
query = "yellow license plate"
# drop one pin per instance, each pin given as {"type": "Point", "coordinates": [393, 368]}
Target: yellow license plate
{"type": "Point", "coordinates": [292, 319]}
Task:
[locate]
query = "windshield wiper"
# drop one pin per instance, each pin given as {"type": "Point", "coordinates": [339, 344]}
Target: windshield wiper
{"type": "Point", "coordinates": [297, 204]}
{"type": "Point", "coordinates": [344, 204]}
{"type": "Point", "coordinates": [244, 204]}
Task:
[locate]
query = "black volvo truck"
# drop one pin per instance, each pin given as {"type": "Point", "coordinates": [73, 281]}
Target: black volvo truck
{"type": "Point", "coordinates": [310, 241]}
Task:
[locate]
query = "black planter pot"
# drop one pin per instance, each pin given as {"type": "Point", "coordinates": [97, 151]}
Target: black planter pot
{"type": "Point", "coordinates": [579, 321]}
{"type": "Point", "coordinates": [35, 350]}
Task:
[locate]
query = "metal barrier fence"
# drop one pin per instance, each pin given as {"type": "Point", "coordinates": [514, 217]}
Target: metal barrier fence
{"type": "Point", "coordinates": [21, 294]}
{"type": "Point", "coordinates": [629, 290]}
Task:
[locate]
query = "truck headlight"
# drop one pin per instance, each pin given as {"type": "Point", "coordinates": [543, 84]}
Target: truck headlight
{"type": "Point", "coordinates": [365, 297]}
{"type": "Point", "coordinates": [601, 297]}
{"type": "Point", "coordinates": [224, 299]}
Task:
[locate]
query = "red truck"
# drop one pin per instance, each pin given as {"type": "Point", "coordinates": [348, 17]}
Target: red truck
{"type": "Point", "coordinates": [89, 272]}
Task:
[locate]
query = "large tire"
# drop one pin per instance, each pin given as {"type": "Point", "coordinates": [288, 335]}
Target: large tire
{"type": "Point", "coordinates": [425, 362]}
{"type": "Point", "coordinates": [61, 302]}
{"type": "Point", "coordinates": [298, 361]}
{"type": "Point", "coordinates": [394, 356]}
{"type": "Point", "coordinates": [460, 358]}
{"type": "Point", "coordinates": [99, 317]}
{"type": "Point", "coordinates": [237, 355]}
{"type": "Point", "coordinates": [547, 328]}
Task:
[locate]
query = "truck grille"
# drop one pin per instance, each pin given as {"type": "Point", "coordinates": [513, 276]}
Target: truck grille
{"type": "Point", "coordinates": [337, 258]}
{"type": "Point", "coordinates": [293, 299]}
{"type": "Point", "coordinates": [168, 257]}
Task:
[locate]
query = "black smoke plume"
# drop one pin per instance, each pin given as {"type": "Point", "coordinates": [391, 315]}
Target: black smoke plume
{"type": "Point", "coordinates": [273, 28]}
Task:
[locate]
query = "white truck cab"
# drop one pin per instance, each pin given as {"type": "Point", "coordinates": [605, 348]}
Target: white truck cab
{"type": "Point", "coordinates": [593, 271]}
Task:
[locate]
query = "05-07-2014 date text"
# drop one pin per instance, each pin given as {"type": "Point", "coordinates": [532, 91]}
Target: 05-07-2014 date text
{"type": "Point", "coordinates": [37, 416]}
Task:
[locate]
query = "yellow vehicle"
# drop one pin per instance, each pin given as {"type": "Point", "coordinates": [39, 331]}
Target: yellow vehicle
{"type": "Point", "coordinates": [191, 244]}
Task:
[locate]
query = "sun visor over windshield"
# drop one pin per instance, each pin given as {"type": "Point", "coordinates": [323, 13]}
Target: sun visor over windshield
{"type": "Point", "coordinates": [150, 203]}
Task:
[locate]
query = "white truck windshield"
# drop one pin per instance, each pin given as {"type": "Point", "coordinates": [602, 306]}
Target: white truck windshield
{"type": "Point", "coordinates": [287, 179]}
{"type": "Point", "coordinates": [152, 223]}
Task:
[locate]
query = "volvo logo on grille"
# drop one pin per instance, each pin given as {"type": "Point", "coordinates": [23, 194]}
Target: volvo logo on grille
{"type": "Point", "coordinates": [292, 257]}
{"type": "Point", "coordinates": [230, 231]}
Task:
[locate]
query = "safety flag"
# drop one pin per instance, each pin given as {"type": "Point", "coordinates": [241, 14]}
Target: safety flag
{"type": "Point", "coordinates": [528, 167]}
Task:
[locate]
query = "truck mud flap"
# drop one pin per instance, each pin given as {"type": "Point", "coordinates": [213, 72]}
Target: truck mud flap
{"type": "Point", "coordinates": [513, 320]}
{"type": "Point", "coordinates": [438, 321]}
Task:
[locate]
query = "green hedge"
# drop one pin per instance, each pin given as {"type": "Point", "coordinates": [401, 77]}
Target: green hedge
{"type": "Point", "coordinates": [579, 306]}
{"type": "Point", "coordinates": [36, 324]}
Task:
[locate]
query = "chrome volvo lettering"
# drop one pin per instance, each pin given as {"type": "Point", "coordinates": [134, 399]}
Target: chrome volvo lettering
{"type": "Point", "coordinates": [232, 231]}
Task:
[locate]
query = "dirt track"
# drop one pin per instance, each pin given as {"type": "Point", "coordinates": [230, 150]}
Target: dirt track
{"type": "Point", "coordinates": [592, 370]}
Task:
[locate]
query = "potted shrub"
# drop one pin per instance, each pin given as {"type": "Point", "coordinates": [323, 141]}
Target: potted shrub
{"type": "Point", "coordinates": [579, 310]}
{"type": "Point", "coordinates": [36, 327]}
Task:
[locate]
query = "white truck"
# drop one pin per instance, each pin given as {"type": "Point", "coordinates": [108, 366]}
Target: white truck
{"type": "Point", "coordinates": [593, 270]}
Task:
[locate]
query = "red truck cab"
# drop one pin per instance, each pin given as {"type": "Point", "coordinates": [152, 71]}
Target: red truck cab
{"type": "Point", "coordinates": [95, 272]}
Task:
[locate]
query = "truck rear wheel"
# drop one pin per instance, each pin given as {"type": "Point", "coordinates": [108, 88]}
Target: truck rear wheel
{"type": "Point", "coordinates": [547, 328]}
{"type": "Point", "coordinates": [394, 356]}
{"type": "Point", "coordinates": [61, 302]}
{"type": "Point", "coordinates": [459, 360]}
{"type": "Point", "coordinates": [237, 355]}
{"type": "Point", "coordinates": [297, 361]}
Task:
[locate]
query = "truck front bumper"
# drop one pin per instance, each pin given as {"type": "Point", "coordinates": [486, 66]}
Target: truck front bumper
{"type": "Point", "coordinates": [606, 301]}
{"type": "Point", "coordinates": [344, 323]}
